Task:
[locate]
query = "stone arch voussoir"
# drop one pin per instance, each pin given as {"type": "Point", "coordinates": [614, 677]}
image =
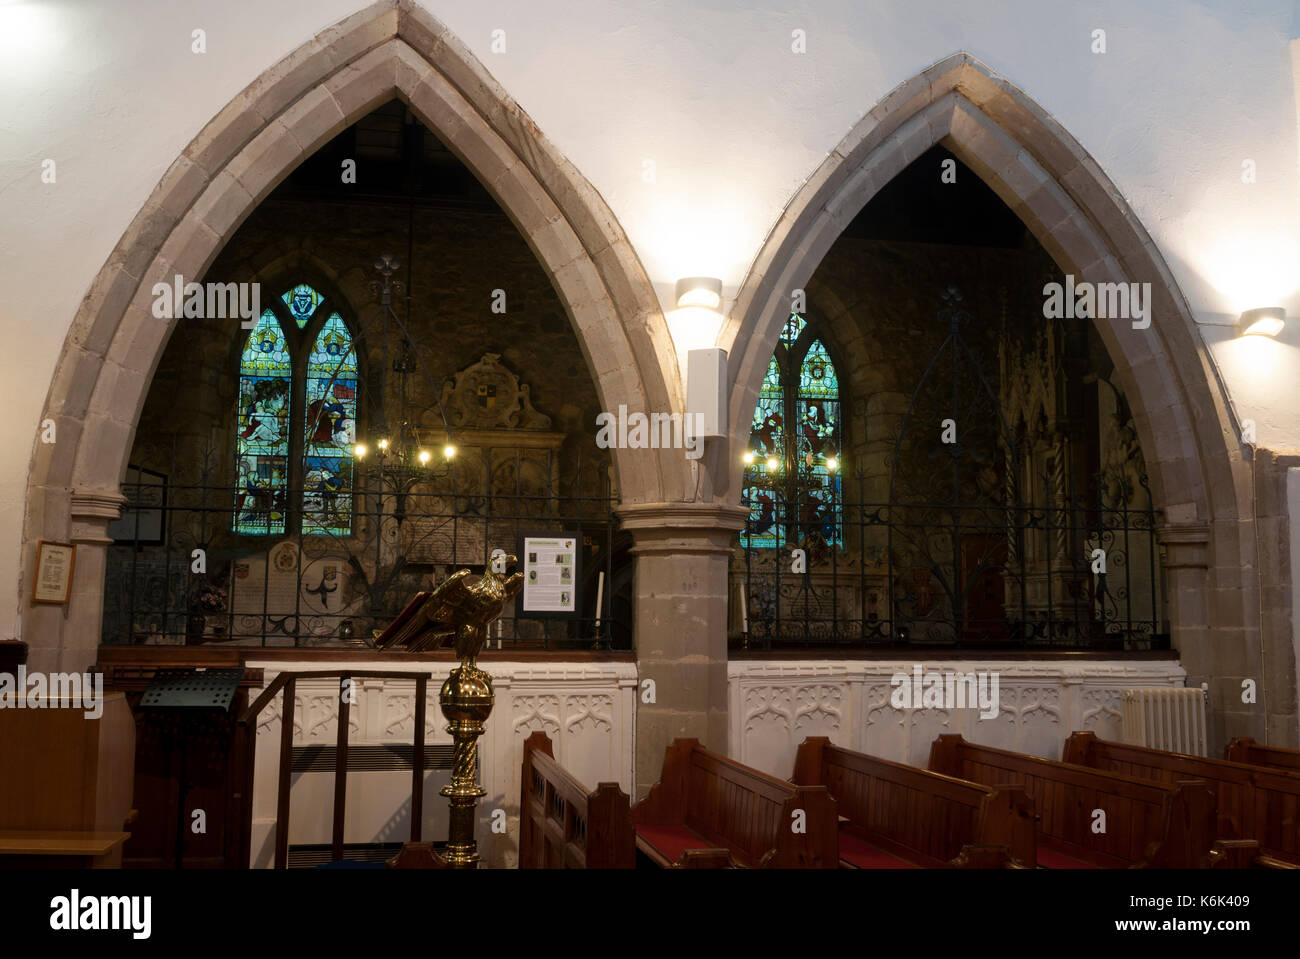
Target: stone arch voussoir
{"type": "Point", "coordinates": [392, 48]}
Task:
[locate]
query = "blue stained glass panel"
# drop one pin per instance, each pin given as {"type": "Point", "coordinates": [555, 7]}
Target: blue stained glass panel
{"type": "Point", "coordinates": [302, 301]}
{"type": "Point", "coordinates": [330, 431]}
{"type": "Point", "coordinates": [262, 430]}
{"type": "Point", "coordinates": [817, 445]}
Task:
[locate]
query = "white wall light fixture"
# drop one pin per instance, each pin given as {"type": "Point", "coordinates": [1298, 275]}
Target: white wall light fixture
{"type": "Point", "coordinates": [1266, 321]}
{"type": "Point", "coordinates": [701, 291]}
{"type": "Point", "coordinates": [706, 390]}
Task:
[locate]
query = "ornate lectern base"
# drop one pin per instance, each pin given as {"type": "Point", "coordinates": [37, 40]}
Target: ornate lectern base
{"type": "Point", "coordinates": [466, 699]}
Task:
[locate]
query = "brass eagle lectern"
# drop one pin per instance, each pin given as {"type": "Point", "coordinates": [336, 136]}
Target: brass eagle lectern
{"type": "Point", "coordinates": [466, 697]}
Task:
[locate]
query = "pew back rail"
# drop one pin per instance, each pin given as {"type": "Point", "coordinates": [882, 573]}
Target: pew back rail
{"type": "Point", "coordinates": [921, 816]}
{"type": "Point", "coordinates": [1146, 823]}
{"type": "Point", "coordinates": [705, 800]}
{"type": "Point", "coordinates": [1252, 802]}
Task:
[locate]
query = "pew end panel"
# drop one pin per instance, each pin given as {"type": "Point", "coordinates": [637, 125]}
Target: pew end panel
{"type": "Point", "coordinates": [666, 801]}
{"type": "Point", "coordinates": [818, 846]}
{"type": "Point", "coordinates": [562, 824]}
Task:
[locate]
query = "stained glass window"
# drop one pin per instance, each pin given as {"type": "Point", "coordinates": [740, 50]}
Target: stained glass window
{"type": "Point", "coordinates": [294, 463]}
{"type": "Point", "coordinates": [302, 301]}
{"type": "Point", "coordinates": [767, 445]}
{"type": "Point", "coordinates": [792, 482]}
{"type": "Point", "coordinates": [817, 451]}
{"type": "Point", "coordinates": [262, 429]}
{"type": "Point", "coordinates": [329, 431]}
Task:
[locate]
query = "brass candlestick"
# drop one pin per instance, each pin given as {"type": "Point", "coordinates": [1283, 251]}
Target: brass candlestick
{"type": "Point", "coordinates": [466, 697]}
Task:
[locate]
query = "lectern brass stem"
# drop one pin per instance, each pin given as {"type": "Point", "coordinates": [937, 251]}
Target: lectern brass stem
{"type": "Point", "coordinates": [466, 699]}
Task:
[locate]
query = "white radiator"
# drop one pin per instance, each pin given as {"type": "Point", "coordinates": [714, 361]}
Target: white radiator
{"type": "Point", "coordinates": [1167, 717]}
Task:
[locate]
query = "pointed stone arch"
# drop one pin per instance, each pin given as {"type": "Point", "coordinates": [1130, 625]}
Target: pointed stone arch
{"type": "Point", "coordinates": [1185, 423]}
{"type": "Point", "coordinates": [392, 48]}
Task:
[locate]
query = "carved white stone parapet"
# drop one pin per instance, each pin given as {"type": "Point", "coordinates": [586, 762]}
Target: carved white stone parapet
{"type": "Point", "coordinates": [775, 704]}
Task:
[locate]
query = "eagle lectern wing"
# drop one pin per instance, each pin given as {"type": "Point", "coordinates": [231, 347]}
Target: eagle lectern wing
{"type": "Point", "coordinates": [450, 596]}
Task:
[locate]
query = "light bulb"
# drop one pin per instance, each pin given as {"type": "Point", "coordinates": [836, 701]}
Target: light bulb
{"type": "Point", "coordinates": [832, 464]}
{"type": "Point", "coordinates": [771, 462]}
{"type": "Point", "coordinates": [749, 458]}
{"type": "Point", "coordinates": [449, 451]}
{"type": "Point", "coordinates": [383, 444]}
{"type": "Point", "coordinates": [424, 457]}
{"type": "Point", "coordinates": [359, 451]}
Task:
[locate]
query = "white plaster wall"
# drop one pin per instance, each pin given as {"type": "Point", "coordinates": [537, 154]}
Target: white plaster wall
{"type": "Point", "coordinates": [710, 91]}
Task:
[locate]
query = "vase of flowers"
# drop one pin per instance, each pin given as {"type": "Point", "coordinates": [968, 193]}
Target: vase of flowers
{"type": "Point", "coordinates": [204, 599]}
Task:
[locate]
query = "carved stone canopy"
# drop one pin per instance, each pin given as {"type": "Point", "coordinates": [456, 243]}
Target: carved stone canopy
{"type": "Point", "coordinates": [486, 395]}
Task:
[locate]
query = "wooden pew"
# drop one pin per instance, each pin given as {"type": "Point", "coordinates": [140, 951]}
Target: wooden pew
{"type": "Point", "coordinates": [563, 825]}
{"type": "Point", "coordinates": [1148, 824]}
{"type": "Point", "coordinates": [1253, 802]}
{"type": "Point", "coordinates": [899, 816]}
{"type": "Point", "coordinates": [706, 801]}
{"type": "Point", "coordinates": [1246, 750]}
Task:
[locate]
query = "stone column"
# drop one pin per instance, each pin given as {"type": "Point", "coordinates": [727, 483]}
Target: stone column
{"type": "Point", "coordinates": [66, 638]}
{"type": "Point", "coordinates": [1192, 627]}
{"type": "Point", "coordinates": [680, 626]}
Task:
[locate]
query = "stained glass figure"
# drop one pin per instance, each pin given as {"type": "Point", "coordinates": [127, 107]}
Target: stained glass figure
{"type": "Point", "coordinates": [302, 301]}
{"type": "Point", "coordinates": [792, 485]}
{"type": "Point", "coordinates": [329, 431]}
{"type": "Point", "coordinates": [262, 430]}
{"type": "Point", "coordinates": [767, 444]}
{"type": "Point", "coordinates": [817, 446]}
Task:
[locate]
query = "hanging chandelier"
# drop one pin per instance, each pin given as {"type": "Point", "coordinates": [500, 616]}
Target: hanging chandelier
{"type": "Point", "coordinates": [395, 454]}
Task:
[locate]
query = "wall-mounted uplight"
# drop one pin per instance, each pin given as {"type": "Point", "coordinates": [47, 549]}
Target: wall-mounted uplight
{"type": "Point", "coordinates": [1266, 321]}
{"type": "Point", "coordinates": [701, 291]}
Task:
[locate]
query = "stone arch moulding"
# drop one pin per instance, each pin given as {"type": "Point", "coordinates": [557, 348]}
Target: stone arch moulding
{"type": "Point", "coordinates": [391, 48]}
{"type": "Point", "coordinates": [1184, 421]}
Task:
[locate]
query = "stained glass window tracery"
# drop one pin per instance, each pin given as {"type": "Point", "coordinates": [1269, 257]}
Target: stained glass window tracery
{"type": "Point", "coordinates": [280, 368]}
{"type": "Point", "coordinates": [302, 301]}
{"type": "Point", "coordinates": [792, 481]}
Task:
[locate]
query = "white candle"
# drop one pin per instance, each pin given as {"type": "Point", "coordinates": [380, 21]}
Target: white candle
{"type": "Point", "coordinates": [600, 598]}
{"type": "Point", "coordinates": [744, 610]}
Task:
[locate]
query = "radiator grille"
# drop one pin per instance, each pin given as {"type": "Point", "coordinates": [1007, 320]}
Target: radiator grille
{"type": "Point", "coordinates": [1166, 718]}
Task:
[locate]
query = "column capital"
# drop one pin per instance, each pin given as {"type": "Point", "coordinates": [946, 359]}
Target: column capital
{"type": "Point", "coordinates": [91, 511]}
{"type": "Point", "coordinates": [682, 527]}
{"type": "Point", "coordinates": [1187, 545]}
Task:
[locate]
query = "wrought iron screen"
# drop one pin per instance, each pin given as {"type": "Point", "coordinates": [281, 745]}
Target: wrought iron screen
{"type": "Point", "coordinates": [334, 589]}
{"type": "Point", "coordinates": [968, 532]}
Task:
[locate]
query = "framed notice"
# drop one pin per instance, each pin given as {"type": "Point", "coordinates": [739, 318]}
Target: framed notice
{"type": "Point", "coordinates": [54, 563]}
{"type": "Point", "coordinates": [550, 564]}
{"type": "Point", "coordinates": [142, 520]}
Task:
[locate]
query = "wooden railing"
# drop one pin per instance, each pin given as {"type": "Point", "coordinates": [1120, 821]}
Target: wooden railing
{"type": "Point", "coordinates": [285, 685]}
